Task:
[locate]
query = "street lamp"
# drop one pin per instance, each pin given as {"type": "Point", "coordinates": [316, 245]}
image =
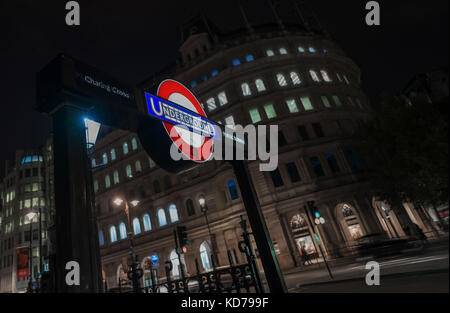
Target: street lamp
{"type": "Point", "coordinates": [30, 215]}
{"type": "Point", "coordinates": [135, 273]}
{"type": "Point", "coordinates": [204, 209]}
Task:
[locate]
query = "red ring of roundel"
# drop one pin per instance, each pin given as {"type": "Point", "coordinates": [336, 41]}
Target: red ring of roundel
{"type": "Point", "coordinates": [165, 89]}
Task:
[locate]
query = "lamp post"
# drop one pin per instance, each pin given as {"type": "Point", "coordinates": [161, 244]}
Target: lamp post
{"type": "Point", "coordinates": [30, 215]}
{"type": "Point", "coordinates": [204, 209]}
{"type": "Point", "coordinates": [135, 273]}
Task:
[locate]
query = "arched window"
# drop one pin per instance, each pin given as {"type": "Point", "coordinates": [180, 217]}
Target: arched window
{"type": "Point", "coordinates": [314, 76]}
{"type": "Point", "coordinates": [136, 226]}
{"type": "Point", "coordinates": [347, 211]}
{"type": "Point", "coordinates": [123, 230]}
{"type": "Point", "coordinates": [101, 239]}
{"type": "Point", "coordinates": [312, 49]}
{"type": "Point", "coordinates": [351, 221]}
{"type": "Point", "coordinates": [205, 255]}
{"type": "Point", "coordinates": [173, 213]}
{"type": "Point", "coordinates": [281, 80]}
{"type": "Point", "coordinates": [113, 234]}
{"type": "Point", "coordinates": [325, 76]}
{"type": "Point", "coordinates": [236, 62]}
{"type": "Point", "coordinates": [249, 58]}
{"type": "Point", "coordinates": [162, 220]}
{"type": "Point", "coordinates": [301, 49]}
{"type": "Point", "coordinates": [125, 148]}
{"type": "Point", "coordinates": [283, 51]}
{"type": "Point", "coordinates": [173, 257]}
{"type": "Point", "coordinates": [156, 186]}
{"type": "Point", "coordinates": [246, 89]}
{"type": "Point", "coordinates": [105, 158]}
{"type": "Point", "coordinates": [107, 181]}
{"type": "Point", "coordinates": [190, 207]}
{"type": "Point", "coordinates": [113, 154]}
{"type": "Point", "coordinates": [138, 166]}
{"type": "Point", "coordinates": [297, 222]}
{"type": "Point", "coordinates": [232, 189]}
{"type": "Point", "coordinates": [270, 53]}
{"type": "Point", "coordinates": [260, 85]}
{"type": "Point", "coordinates": [128, 171]}
{"type": "Point", "coordinates": [295, 78]}
{"type": "Point", "coordinates": [147, 223]}
{"type": "Point", "coordinates": [134, 143]}
{"type": "Point", "coordinates": [116, 177]}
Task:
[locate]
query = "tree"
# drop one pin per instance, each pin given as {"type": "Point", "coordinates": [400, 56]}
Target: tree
{"type": "Point", "coordinates": [406, 147]}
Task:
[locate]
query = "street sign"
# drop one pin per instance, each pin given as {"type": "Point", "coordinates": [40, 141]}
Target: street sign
{"type": "Point", "coordinates": [184, 120]}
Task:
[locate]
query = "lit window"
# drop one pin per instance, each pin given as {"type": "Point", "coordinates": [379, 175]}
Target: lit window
{"type": "Point", "coordinates": [246, 89]}
{"type": "Point", "coordinates": [332, 162]}
{"type": "Point", "coordinates": [346, 80]}
{"type": "Point", "coordinates": [270, 111]}
{"type": "Point", "coordinates": [134, 144]}
{"type": "Point", "coordinates": [205, 255]}
{"type": "Point", "coordinates": [125, 148]}
{"type": "Point", "coordinates": [270, 53]}
{"type": "Point", "coordinates": [93, 163]}
{"type": "Point", "coordinates": [214, 73]}
{"type": "Point", "coordinates": [325, 76]}
{"type": "Point", "coordinates": [283, 51]}
{"type": "Point", "coordinates": [301, 49]}
{"type": "Point", "coordinates": [281, 80]}
{"type": "Point", "coordinates": [193, 84]}
{"type": "Point", "coordinates": [232, 189]}
{"type": "Point", "coordinates": [211, 103]}
{"type": "Point", "coordinates": [314, 76]}
{"type": "Point", "coordinates": [146, 222]}
{"type": "Point", "coordinates": [162, 217]}
{"type": "Point", "coordinates": [113, 234]}
{"type": "Point", "coordinates": [312, 49]}
{"type": "Point", "coordinates": [222, 98]}
{"type": "Point", "coordinates": [136, 226]}
{"type": "Point", "coordinates": [113, 154]}
{"type": "Point", "coordinates": [249, 58]}
{"type": "Point", "coordinates": [105, 158]}
{"type": "Point", "coordinates": [101, 240]}
{"type": "Point", "coordinates": [292, 105]}
{"type": "Point", "coordinates": [295, 78]}
{"type": "Point", "coordinates": [151, 163]}
{"type": "Point", "coordinates": [236, 62]}
{"type": "Point", "coordinates": [260, 85]}
{"type": "Point", "coordinates": [306, 102]}
{"type": "Point", "coordinates": [325, 102]}
{"type": "Point", "coordinates": [123, 230]}
{"type": "Point", "coordinates": [317, 167]}
{"type": "Point", "coordinates": [95, 186]}
{"type": "Point", "coordinates": [107, 181]}
{"type": "Point", "coordinates": [229, 121]}
{"type": "Point", "coordinates": [350, 100]}
{"type": "Point", "coordinates": [138, 166]}
{"type": "Point", "coordinates": [116, 177]}
{"type": "Point", "coordinates": [173, 213]}
{"type": "Point", "coordinates": [254, 115]}
{"type": "Point", "coordinates": [337, 101]}
{"type": "Point", "coordinates": [128, 171]}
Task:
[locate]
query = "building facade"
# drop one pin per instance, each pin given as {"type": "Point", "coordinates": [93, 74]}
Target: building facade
{"type": "Point", "coordinates": [27, 188]}
{"type": "Point", "coordinates": [295, 78]}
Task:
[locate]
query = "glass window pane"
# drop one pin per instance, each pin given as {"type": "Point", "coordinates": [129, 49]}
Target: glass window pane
{"type": "Point", "coordinates": [337, 101]}
{"type": "Point", "coordinates": [314, 76]}
{"type": "Point", "coordinates": [325, 102]}
{"type": "Point", "coordinates": [270, 111]}
{"type": "Point", "coordinates": [254, 115]}
{"type": "Point", "coordinates": [246, 89]}
{"type": "Point", "coordinates": [295, 78]}
{"type": "Point", "coordinates": [222, 98]}
{"type": "Point", "coordinates": [281, 80]}
{"type": "Point", "coordinates": [211, 103]}
{"type": "Point", "coordinates": [292, 105]}
{"type": "Point", "coordinates": [270, 53]}
{"type": "Point", "coordinates": [260, 85]}
{"type": "Point", "coordinates": [306, 102]}
{"type": "Point", "coordinates": [283, 51]}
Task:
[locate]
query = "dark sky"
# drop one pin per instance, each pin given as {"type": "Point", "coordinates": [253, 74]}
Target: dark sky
{"type": "Point", "coordinates": [131, 39]}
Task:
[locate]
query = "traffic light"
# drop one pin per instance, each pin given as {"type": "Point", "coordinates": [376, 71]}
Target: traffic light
{"type": "Point", "coordinates": [182, 238]}
{"type": "Point", "coordinates": [318, 219]}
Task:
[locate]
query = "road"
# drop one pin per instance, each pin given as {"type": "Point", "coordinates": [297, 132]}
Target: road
{"type": "Point", "coordinates": [427, 272]}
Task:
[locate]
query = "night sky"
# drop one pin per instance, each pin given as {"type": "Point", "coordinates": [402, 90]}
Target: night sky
{"type": "Point", "coordinates": [131, 39]}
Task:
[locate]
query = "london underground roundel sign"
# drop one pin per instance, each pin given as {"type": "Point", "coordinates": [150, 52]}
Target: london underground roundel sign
{"type": "Point", "coordinates": [194, 145]}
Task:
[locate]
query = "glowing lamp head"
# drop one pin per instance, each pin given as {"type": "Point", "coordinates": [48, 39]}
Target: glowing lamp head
{"type": "Point", "coordinates": [202, 201]}
{"type": "Point", "coordinates": [134, 202]}
{"type": "Point", "coordinates": [118, 201]}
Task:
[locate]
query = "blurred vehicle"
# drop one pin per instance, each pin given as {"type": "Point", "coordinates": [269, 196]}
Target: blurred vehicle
{"type": "Point", "coordinates": [378, 245]}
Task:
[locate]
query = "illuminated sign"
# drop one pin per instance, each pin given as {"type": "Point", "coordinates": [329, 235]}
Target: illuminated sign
{"type": "Point", "coordinates": [184, 120]}
{"type": "Point", "coordinates": [154, 258]}
{"type": "Point", "coordinates": [100, 84]}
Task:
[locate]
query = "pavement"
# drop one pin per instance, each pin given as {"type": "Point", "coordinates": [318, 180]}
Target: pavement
{"type": "Point", "coordinates": [416, 272]}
